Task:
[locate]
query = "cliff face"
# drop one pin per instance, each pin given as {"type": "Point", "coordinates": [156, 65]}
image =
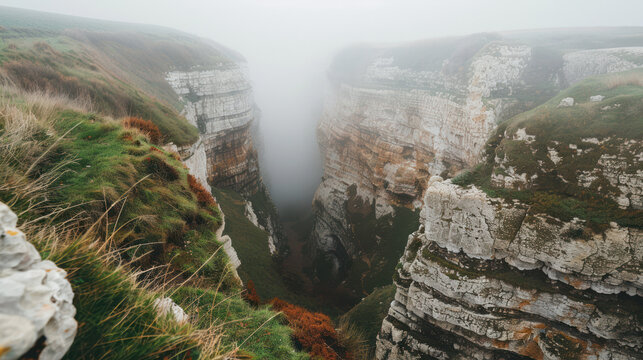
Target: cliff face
{"type": "Point", "coordinates": [488, 279]}
{"type": "Point", "coordinates": [219, 103]}
{"type": "Point", "coordinates": [537, 253]}
{"type": "Point", "coordinates": [393, 117]}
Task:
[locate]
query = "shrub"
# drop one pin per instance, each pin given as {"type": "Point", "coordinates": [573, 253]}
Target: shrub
{"type": "Point", "coordinates": [159, 167]}
{"type": "Point", "coordinates": [202, 195]}
{"type": "Point", "coordinates": [313, 331]}
{"type": "Point", "coordinates": [251, 295]}
{"type": "Point", "coordinates": [147, 127]}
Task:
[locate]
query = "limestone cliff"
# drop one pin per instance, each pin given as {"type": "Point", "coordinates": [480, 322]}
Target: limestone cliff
{"type": "Point", "coordinates": [537, 252]}
{"type": "Point", "coordinates": [219, 102]}
{"type": "Point", "coordinates": [36, 309]}
{"type": "Point", "coordinates": [488, 279]}
{"type": "Point", "coordinates": [394, 116]}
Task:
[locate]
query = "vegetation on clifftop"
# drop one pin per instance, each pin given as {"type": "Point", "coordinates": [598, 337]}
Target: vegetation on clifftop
{"type": "Point", "coordinates": [120, 216]}
{"type": "Point", "coordinates": [118, 68]}
{"type": "Point", "coordinates": [607, 126]}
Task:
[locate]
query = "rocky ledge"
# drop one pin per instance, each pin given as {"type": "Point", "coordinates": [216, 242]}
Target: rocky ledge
{"type": "Point", "coordinates": [485, 278]}
{"type": "Point", "coordinates": [536, 252]}
{"type": "Point", "coordinates": [219, 102]}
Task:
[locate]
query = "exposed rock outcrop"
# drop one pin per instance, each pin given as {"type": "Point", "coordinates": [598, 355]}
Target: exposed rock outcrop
{"type": "Point", "coordinates": [484, 278]}
{"type": "Point", "coordinates": [395, 116]}
{"type": "Point", "coordinates": [166, 305]}
{"type": "Point", "coordinates": [537, 252]}
{"type": "Point", "coordinates": [219, 102]}
{"type": "Point", "coordinates": [36, 307]}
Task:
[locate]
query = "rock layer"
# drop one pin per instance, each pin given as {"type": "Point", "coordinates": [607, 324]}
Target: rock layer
{"type": "Point", "coordinates": [395, 116]}
{"type": "Point", "coordinates": [484, 278]}
{"type": "Point", "coordinates": [35, 298]}
{"type": "Point", "coordinates": [219, 103]}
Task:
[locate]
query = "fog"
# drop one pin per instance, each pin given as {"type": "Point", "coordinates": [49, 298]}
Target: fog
{"type": "Point", "coordinates": [289, 43]}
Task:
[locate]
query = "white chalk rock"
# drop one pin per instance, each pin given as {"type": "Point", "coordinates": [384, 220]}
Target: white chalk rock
{"type": "Point", "coordinates": [166, 305]}
{"type": "Point", "coordinates": [596, 98]}
{"type": "Point", "coordinates": [36, 298]}
{"type": "Point", "coordinates": [566, 102]}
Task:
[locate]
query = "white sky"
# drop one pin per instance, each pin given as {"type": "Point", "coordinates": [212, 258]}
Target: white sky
{"type": "Point", "coordinates": [289, 43]}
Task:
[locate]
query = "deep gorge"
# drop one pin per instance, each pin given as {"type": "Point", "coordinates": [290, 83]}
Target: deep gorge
{"type": "Point", "coordinates": [481, 198]}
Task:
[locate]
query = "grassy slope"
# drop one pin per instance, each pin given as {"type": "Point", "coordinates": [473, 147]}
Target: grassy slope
{"type": "Point", "coordinates": [251, 244]}
{"type": "Point", "coordinates": [259, 332]}
{"type": "Point", "coordinates": [550, 123]}
{"type": "Point", "coordinates": [94, 161]}
{"type": "Point", "coordinates": [121, 67]}
{"type": "Point", "coordinates": [367, 316]}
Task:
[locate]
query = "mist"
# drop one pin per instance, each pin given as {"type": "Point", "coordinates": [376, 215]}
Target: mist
{"type": "Point", "coordinates": [289, 44]}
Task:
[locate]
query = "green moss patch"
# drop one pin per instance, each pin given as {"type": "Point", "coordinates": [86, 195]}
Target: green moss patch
{"type": "Point", "coordinates": [379, 242]}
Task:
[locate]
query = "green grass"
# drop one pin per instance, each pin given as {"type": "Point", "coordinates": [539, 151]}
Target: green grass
{"type": "Point", "coordinates": [551, 124]}
{"type": "Point", "coordinates": [368, 314]}
{"type": "Point", "coordinates": [35, 65]}
{"type": "Point", "coordinates": [116, 317]}
{"type": "Point", "coordinates": [120, 67]}
{"type": "Point", "coordinates": [251, 244]}
{"type": "Point", "coordinates": [160, 214]}
{"type": "Point", "coordinates": [154, 208]}
{"type": "Point", "coordinates": [259, 333]}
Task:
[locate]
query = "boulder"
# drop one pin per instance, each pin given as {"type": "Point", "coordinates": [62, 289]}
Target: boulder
{"type": "Point", "coordinates": [166, 305]}
{"type": "Point", "coordinates": [36, 298]}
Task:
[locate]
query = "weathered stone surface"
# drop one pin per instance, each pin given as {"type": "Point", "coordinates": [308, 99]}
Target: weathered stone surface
{"type": "Point", "coordinates": [493, 279]}
{"type": "Point", "coordinates": [610, 166]}
{"type": "Point", "coordinates": [35, 297]}
{"type": "Point", "coordinates": [387, 140]}
{"type": "Point", "coordinates": [220, 104]}
{"type": "Point", "coordinates": [398, 118]}
{"type": "Point", "coordinates": [584, 63]}
{"type": "Point", "coordinates": [166, 305]}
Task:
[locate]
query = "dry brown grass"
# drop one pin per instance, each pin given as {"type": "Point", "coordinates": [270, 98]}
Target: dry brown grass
{"type": "Point", "coordinates": [90, 257]}
{"type": "Point", "coordinates": [145, 127]}
{"type": "Point", "coordinates": [22, 145]}
{"type": "Point", "coordinates": [624, 79]}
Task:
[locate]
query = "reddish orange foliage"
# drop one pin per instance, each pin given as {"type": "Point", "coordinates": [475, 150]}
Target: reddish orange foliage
{"type": "Point", "coordinates": [145, 126]}
{"type": "Point", "coordinates": [313, 331]}
{"type": "Point", "coordinates": [202, 195]}
{"type": "Point", "coordinates": [251, 295]}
